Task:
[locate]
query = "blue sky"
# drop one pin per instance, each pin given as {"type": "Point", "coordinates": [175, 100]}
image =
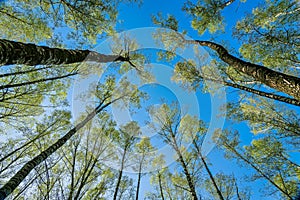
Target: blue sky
{"type": "Point", "coordinates": [195, 103]}
{"type": "Point", "coordinates": [132, 16]}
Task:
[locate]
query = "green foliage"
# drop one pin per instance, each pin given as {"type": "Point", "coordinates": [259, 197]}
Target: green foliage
{"type": "Point", "coordinates": [268, 159]}
{"type": "Point", "coordinates": [206, 15]}
{"type": "Point", "coordinates": [27, 26]}
{"type": "Point", "coordinates": [25, 102]}
{"type": "Point", "coordinates": [270, 155]}
{"type": "Point", "coordinates": [187, 74]}
{"type": "Point", "coordinates": [170, 22]}
{"type": "Point", "coordinates": [270, 35]}
{"type": "Point", "coordinates": [41, 17]}
{"type": "Point", "coordinates": [35, 20]}
{"type": "Point", "coordinates": [264, 116]}
{"type": "Point", "coordinates": [228, 187]}
{"type": "Point", "coordinates": [36, 113]}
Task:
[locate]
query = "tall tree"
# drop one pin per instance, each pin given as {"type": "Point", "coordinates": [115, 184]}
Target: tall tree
{"type": "Point", "coordinates": [275, 178]}
{"type": "Point", "coordinates": [144, 155]}
{"type": "Point", "coordinates": [25, 89]}
{"type": "Point", "coordinates": [188, 74]}
{"type": "Point", "coordinates": [169, 120]}
{"type": "Point", "coordinates": [30, 54]}
{"type": "Point", "coordinates": [228, 187]}
{"type": "Point", "coordinates": [191, 127]}
{"type": "Point", "coordinates": [283, 82]}
{"type": "Point", "coordinates": [105, 95]}
{"type": "Point", "coordinates": [126, 139]}
{"type": "Point", "coordinates": [161, 180]}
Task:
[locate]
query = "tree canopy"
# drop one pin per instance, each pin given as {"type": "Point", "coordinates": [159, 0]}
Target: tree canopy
{"type": "Point", "coordinates": [95, 104]}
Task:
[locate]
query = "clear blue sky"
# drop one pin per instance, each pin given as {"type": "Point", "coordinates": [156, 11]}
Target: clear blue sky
{"type": "Point", "coordinates": [132, 16]}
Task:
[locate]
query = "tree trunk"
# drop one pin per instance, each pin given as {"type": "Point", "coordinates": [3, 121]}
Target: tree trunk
{"type": "Point", "coordinates": [258, 170]}
{"type": "Point", "coordinates": [72, 187]}
{"type": "Point", "coordinates": [212, 178]}
{"type": "Point", "coordinates": [160, 186]}
{"type": "Point", "coordinates": [120, 175]}
{"type": "Point", "coordinates": [85, 177]}
{"type": "Point", "coordinates": [30, 54]}
{"type": "Point", "coordinates": [265, 94]}
{"type": "Point", "coordinates": [13, 183]}
{"type": "Point", "coordinates": [24, 72]}
{"type": "Point", "coordinates": [188, 178]}
{"type": "Point", "coordinates": [227, 3]}
{"type": "Point", "coordinates": [282, 82]}
{"type": "Point", "coordinates": [237, 191]}
{"type": "Point", "coordinates": [257, 92]}
{"type": "Point", "coordinates": [138, 183]}
{"type": "Point", "coordinates": [139, 177]}
{"type": "Point", "coordinates": [185, 169]}
{"type": "Point", "coordinates": [208, 171]}
{"type": "Point", "coordinates": [36, 81]}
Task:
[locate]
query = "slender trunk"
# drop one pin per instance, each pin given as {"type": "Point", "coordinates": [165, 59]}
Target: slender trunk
{"type": "Point", "coordinates": [120, 175]}
{"type": "Point", "coordinates": [36, 81]}
{"type": "Point", "coordinates": [208, 171]}
{"type": "Point", "coordinates": [24, 72]}
{"type": "Point", "coordinates": [185, 169]}
{"type": "Point", "coordinates": [160, 186]}
{"type": "Point", "coordinates": [13, 183]}
{"type": "Point", "coordinates": [138, 182]}
{"type": "Point", "coordinates": [30, 54]}
{"type": "Point", "coordinates": [188, 177]}
{"type": "Point", "coordinates": [268, 95]}
{"type": "Point", "coordinates": [237, 191]}
{"type": "Point", "coordinates": [265, 94]}
{"type": "Point", "coordinates": [277, 80]}
{"type": "Point", "coordinates": [260, 172]}
{"type": "Point", "coordinates": [139, 177]}
{"type": "Point", "coordinates": [212, 178]}
{"type": "Point", "coordinates": [72, 188]}
{"type": "Point", "coordinates": [48, 181]}
{"type": "Point", "coordinates": [85, 179]}
{"type": "Point", "coordinates": [14, 160]}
